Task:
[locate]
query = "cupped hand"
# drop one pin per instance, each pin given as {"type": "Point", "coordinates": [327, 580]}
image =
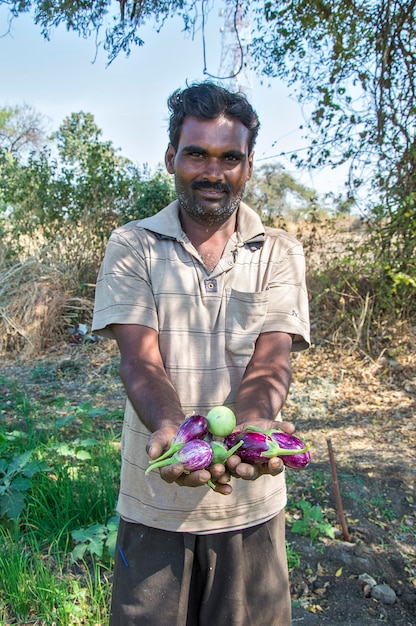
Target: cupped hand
{"type": "Point", "coordinates": [247, 471]}
{"type": "Point", "coordinates": [161, 440]}
{"type": "Point", "coordinates": [217, 474]}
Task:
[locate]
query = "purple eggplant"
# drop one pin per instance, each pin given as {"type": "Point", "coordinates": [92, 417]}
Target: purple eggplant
{"type": "Point", "coordinates": [193, 427]}
{"type": "Point", "coordinates": [292, 450]}
{"type": "Point", "coordinates": [257, 447]}
{"type": "Point", "coordinates": [299, 459]}
{"type": "Point", "coordinates": [194, 455]}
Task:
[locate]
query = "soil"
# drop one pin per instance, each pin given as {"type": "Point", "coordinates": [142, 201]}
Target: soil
{"type": "Point", "coordinates": [364, 409]}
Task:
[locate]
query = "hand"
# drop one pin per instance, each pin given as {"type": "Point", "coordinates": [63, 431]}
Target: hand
{"type": "Point", "coordinates": [247, 471]}
{"type": "Point", "coordinates": [216, 473]}
{"type": "Point", "coordinates": [161, 440]}
{"type": "Point", "coordinates": [273, 467]}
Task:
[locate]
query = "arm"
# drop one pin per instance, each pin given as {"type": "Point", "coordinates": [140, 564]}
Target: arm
{"type": "Point", "coordinates": [262, 394]}
{"type": "Point", "coordinates": [156, 402]}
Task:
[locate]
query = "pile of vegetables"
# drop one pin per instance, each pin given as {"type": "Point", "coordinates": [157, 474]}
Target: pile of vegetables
{"type": "Point", "coordinates": [203, 441]}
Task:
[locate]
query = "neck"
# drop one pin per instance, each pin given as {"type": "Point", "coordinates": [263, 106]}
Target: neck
{"type": "Point", "coordinates": [199, 233]}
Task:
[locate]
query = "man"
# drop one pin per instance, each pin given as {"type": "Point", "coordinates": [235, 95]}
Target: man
{"type": "Point", "coordinates": [206, 305]}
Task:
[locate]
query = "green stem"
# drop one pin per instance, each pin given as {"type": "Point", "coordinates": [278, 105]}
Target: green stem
{"type": "Point", "coordinates": [161, 463]}
{"type": "Point", "coordinates": [175, 447]}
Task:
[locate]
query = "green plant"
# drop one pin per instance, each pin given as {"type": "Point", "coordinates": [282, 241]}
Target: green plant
{"type": "Point", "coordinates": [98, 540]}
{"type": "Point", "coordinates": [15, 481]}
{"type": "Point", "coordinates": [38, 585]}
{"type": "Point", "coordinates": [293, 558]}
{"type": "Point", "coordinates": [312, 522]}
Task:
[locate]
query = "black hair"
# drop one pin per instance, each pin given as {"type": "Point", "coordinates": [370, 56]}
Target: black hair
{"type": "Point", "coordinates": [207, 101]}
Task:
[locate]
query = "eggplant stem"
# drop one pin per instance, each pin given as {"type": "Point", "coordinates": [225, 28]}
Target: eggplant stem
{"type": "Point", "coordinates": [161, 463]}
{"type": "Point", "coordinates": [175, 447]}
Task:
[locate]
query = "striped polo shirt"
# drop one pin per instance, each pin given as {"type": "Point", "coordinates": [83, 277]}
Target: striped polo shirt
{"type": "Point", "coordinates": [208, 323]}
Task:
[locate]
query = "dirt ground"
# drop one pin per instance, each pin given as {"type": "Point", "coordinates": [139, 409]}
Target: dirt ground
{"type": "Point", "coordinates": [365, 407]}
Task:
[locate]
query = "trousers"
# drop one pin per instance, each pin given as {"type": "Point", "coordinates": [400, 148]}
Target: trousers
{"type": "Point", "coordinates": [236, 578]}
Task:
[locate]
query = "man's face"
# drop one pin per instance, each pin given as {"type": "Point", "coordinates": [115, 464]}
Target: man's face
{"type": "Point", "coordinates": [211, 167]}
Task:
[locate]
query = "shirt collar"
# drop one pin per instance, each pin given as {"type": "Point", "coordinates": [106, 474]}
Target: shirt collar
{"type": "Point", "coordinates": [166, 223]}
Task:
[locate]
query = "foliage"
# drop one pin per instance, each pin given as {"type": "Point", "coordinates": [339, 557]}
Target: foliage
{"type": "Point", "coordinates": [312, 523]}
{"type": "Point", "coordinates": [352, 66]}
{"type": "Point", "coordinates": [16, 475]}
{"type": "Point", "coordinates": [69, 515]}
{"type": "Point", "coordinates": [91, 17]}
{"type": "Point", "coordinates": [96, 540]}
{"type": "Point", "coordinates": [274, 193]}
{"type": "Point", "coordinates": [82, 192]}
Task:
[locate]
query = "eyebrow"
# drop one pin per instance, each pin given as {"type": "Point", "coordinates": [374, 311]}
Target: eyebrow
{"type": "Point", "coordinates": [228, 153]}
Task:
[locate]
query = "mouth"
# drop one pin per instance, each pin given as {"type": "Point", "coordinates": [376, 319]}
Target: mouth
{"type": "Point", "coordinates": [211, 191]}
{"type": "Point", "coordinates": [211, 194]}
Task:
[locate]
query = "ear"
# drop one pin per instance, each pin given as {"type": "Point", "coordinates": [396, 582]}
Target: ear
{"type": "Point", "coordinates": [250, 165]}
{"type": "Point", "coordinates": [170, 159]}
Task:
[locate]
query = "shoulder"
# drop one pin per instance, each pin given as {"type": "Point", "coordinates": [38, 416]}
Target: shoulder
{"type": "Point", "coordinates": [282, 239]}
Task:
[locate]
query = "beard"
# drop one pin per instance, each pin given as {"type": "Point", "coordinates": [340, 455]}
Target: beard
{"type": "Point", "coordinates": [200, 212]}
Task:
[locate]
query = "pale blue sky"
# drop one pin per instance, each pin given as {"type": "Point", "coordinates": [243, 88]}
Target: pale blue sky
{"type": "Point", "coordinates": [128, 98]}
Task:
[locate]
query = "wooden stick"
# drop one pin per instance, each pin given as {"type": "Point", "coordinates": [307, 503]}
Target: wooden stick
{"type": "Point", "coordinates": [337, 493]}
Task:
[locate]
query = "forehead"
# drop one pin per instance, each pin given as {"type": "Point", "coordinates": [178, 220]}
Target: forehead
{"type": "Point", "coordinates": [223, 132]}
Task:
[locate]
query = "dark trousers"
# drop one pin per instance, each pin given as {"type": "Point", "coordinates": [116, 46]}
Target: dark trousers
{"type": "Point", "coordinates": [236, 578]}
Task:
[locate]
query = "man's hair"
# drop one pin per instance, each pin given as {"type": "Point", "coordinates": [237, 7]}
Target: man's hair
{"type": "Point", "coordinates": [207, 101]}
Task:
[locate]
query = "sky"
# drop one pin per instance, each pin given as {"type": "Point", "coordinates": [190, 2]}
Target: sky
{"type": "Point", "coordinates": [128, 97]}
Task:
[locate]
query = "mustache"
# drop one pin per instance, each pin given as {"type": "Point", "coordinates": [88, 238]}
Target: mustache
{"type": "Point", "coordinates": [206, 184]}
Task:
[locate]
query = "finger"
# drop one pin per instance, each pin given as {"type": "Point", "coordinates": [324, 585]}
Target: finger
{"type": "Point", "coordinates": [217, 471]}
{"type": "Point", "coordinates": [224, 490]}
{"type": "Point", "coordinates": [275, 466]}
{"type": "Point", "coordinates": [195, 479]}
{"type": "Point", "coordinates": [287, 427]}
{"type": "Point", "coordinates": [241, 470]}
{"type": "Point", "coordinates": [159, 441]}
{"type": "Point", "coordinates": [171, 473]}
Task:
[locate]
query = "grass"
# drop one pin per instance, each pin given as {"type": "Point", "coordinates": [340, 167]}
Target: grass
{"type": "Point", "coordinates": [55, 480]}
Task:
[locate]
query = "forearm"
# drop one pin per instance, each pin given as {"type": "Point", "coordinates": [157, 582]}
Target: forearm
{"type": "Point", "coordinates": [152, 395]}
{"type": "Point", "coordinates": [144, 377]}
{"type": "Point", "coordinates": [266, 382]}
{"type": "Point", "coordinates": [262, 395]}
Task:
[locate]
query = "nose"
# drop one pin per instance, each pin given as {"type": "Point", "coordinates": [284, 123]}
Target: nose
{"type": "Point", "coordinates": [213, 170]}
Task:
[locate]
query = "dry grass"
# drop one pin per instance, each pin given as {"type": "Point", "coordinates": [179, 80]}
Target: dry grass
{"type": "Point", "coordinates": [42, 298]}
{"type": "Point", "coordinates": [37, 308]}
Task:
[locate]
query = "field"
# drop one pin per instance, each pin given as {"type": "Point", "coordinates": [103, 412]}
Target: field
{"type": "Point", "coordinates": [364, 406]}
{"type": "Point", "coordinates": [352, 558]}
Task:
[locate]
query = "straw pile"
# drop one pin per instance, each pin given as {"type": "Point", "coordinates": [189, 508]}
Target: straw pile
{"type": "Point", "coordinates": [36, 308]}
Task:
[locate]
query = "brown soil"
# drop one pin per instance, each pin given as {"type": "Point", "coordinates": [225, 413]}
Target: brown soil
{"type": "Point", "coordinates": [366, 408]}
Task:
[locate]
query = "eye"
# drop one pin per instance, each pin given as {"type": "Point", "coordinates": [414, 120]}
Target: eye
{"type": "Point", "coordinates": [234, 157]}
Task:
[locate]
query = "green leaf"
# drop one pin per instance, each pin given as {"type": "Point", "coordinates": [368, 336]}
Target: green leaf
{"type": "Point", "coordinates": [20, 483]}
{"type": "Point", "coordinates": [12, 504]}
{"type": "Point", "coordinates": [82, 455]}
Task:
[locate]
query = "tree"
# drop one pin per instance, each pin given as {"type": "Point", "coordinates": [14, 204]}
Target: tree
{"type": "Point", "coordinates": [88, 17]}
{"type": "Point", "coordinates": [274, 193]}
{"type": "Point", "coordinates": [22, 129]}
{"type": "Point", "coordinates": [73, 200]}
{"type": "Point", "coordinates": [352, 64]}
